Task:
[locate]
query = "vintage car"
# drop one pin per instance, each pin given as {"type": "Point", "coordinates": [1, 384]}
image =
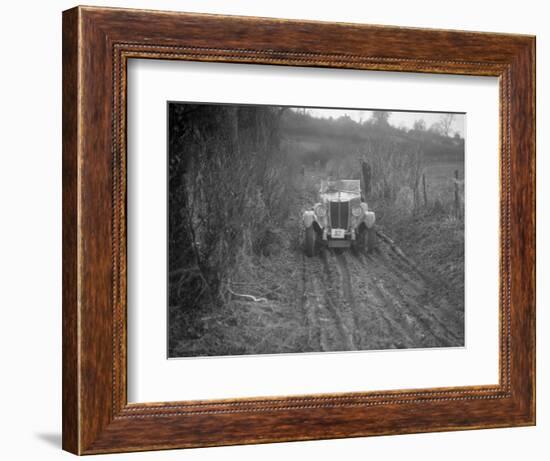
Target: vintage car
{"type": "Point", "coordinates": [341, 219]}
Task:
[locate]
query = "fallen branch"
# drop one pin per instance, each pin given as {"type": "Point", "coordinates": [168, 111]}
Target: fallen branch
{"type": "Point", "coordinates": [248, 297]}
{"type": "Point", "coordinates": [398, 251]}
{"type": "Point", "coordinates": [180, 271]}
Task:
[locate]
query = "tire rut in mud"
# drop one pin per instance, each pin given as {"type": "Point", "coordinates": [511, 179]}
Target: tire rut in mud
{"type": "Point", "coordinates": [338, 299]}
{"type": "Point", "coordinates": [359, 301]}
{"type": "Point", "coordinates": [410, 303]}
{"type": "Point", "coordinates": [327, 311]}
{"type": "Point", "coordinates": [382, 323]}
{"type": "Point", "coordinates": [441, 314]}
{"type": "Point", "coordinates": [349, 298]}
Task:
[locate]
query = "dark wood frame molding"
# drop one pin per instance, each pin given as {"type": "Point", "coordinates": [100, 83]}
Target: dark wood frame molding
{"type": "Point", "coordinates": [97, 43]}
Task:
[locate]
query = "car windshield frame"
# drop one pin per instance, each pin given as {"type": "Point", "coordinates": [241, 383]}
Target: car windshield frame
{"type": "Point", "coordinates": [352, 186]}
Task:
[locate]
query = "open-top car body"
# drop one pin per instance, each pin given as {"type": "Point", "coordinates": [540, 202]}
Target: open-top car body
{"type": "Point", "coordinates": [341, 219]}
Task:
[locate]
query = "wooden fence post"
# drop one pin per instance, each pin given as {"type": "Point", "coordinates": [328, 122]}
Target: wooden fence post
{"type": "Point", "coordinates": [457, 196]}
{"type": "Point", "coordinates": [424, 190]}
{"type": "Point", "coordinates": [367, 178]}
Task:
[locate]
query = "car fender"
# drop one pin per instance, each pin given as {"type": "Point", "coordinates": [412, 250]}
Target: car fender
{"type": "Point", "coordinates": [369, 219]}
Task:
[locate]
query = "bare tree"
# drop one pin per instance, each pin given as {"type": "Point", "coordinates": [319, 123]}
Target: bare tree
{"type": "Point", "coordinates": [445, 124]}
{"type": "Point", "coordinates": [380, 118]}
{"type": "Point", "coordinates": [419, 125]}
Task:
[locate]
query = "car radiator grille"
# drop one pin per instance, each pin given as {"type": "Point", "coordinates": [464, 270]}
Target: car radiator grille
{"type": "Point", "coordinates": [339, 215]}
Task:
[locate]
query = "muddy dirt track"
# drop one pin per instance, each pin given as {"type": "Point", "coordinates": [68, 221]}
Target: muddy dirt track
{"type": "Point", "coordinates": [341, 300]}
{"type": "Point", "coordinates": [359, 301]}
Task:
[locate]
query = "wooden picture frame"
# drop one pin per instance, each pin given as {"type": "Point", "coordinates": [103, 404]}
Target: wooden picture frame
{"type": "Point", "coordinates": [97, 43]}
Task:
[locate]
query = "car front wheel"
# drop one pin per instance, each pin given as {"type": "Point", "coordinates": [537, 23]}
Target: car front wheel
{"type": "Point", "coordinates": [360, 243]}
{"type": "Point", "coordinates": [371, 240]}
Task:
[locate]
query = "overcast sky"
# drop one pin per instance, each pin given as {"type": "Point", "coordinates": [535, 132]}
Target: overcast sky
{"type": "Point", "coordinates": [396, 119]}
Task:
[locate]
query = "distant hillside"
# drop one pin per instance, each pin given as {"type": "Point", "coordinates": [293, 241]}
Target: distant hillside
{"type": "Point", "coordinates": [319, 140]}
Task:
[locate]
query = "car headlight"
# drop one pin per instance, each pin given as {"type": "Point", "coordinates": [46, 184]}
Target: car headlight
{"type": "Point", "coordinates": [357, 211]}
{"type": "Point", "coordinates": [320, 211]}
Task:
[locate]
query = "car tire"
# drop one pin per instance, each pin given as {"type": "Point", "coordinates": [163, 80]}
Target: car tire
{"type": "Point", "coordinates": [372, 240]}
{"type": "Point", "coordinates": [310, 241]}
{"type": "Point", "coordinates": [360, 242]}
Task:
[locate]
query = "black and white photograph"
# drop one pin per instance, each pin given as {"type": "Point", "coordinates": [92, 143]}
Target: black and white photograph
{"type": "Point", "coordinates": [309, 230]}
